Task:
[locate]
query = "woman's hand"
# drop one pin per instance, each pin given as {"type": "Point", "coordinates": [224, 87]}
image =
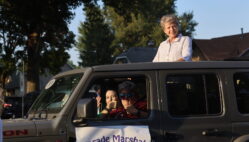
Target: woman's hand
{"type": "Point", "coordinates": [98, 99]}
{"type": "Point", "coordinates": [131, 110]}
{"type": "Point", "coordinates": [112, 105]}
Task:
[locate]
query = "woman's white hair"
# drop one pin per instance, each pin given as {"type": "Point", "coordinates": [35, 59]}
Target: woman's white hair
{"type": "Point", "coordinates": [171, 18]}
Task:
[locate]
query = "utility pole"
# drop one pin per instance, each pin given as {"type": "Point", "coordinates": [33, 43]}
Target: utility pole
{"type": "Point", "coordinates": [24, 87]}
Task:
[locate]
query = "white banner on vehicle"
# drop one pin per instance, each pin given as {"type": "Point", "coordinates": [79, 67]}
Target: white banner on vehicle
{"type": "Point", "coordinates": [113, 134]}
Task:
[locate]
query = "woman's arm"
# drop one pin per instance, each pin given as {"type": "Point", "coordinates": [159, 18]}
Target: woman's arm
{"type": "Point", "coordinates": [186, 50]}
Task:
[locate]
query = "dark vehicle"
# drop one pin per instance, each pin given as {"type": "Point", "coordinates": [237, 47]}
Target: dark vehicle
{"type": "Point", "coordinates": [14, 109]}
{"type": "Point", "coordinates": [186, 102]}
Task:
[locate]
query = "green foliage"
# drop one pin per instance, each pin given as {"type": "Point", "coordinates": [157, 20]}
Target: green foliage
{"type": "Point", "coordinates": [150, 9]}
{"type": "Point", "coordinates": [95, 38]}
{"type": "Point", "coordinates": [10, 42]}
{"type": "Point", "coordinates": [187, 24]}
{"type": "Point", "coordinates": [129, 34]}
{"type": "Point", "coordinates": [70, 63]}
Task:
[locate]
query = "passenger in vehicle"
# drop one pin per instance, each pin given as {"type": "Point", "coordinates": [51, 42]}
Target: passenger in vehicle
{"type": "Point", "coordinates": [96, 94]}
{"type": "Point", "coordinates": [112, 103]}
{"type": "Point", "coordinates": [132, 107]}
{"type": "Point", "coordinates": [177, 47]}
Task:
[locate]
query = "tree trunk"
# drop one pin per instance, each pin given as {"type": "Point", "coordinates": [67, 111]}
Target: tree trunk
{"type": "Point", "coordinates": [33, 63]}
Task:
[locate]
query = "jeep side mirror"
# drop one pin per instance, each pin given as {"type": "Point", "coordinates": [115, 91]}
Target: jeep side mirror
{"type": "Point", "coordinates": [86, 109]}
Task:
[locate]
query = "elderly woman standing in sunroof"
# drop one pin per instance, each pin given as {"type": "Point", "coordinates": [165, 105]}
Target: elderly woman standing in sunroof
{"type": "Point", "coordinates": [176, 47]}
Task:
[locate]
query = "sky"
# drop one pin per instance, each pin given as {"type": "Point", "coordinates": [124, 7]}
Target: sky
{"type": "Point", "coordinates": [215, 18]}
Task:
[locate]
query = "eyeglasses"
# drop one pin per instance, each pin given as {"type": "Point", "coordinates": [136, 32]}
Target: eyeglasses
{"type": "Point", "coordinates": [125, 96]}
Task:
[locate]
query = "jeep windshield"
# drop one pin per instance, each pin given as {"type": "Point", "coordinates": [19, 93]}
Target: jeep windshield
{"type": "Point", "coordinates": [56, 94]}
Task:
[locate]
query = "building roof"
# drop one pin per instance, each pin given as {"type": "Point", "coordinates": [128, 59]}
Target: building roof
{"type": "Point", "coordinates": [223, 47]}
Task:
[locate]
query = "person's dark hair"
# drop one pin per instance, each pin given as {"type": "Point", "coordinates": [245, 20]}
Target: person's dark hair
{"type": "Point", "coordinates": [128, 85]}
{"type": "Point", "coordinates": [96, 87]}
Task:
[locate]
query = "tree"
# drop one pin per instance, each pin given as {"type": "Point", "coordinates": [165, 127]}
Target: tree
{"type": "Point", "coordinates": [95, 38]}
{"type": "Point", "coordinates": [43, 25]}
{"type": "Point", "coordinates": [70, 63]}
{"type": "Point", "coordinates": [151, 9]}
{"type": "Point", "coordinates": [128, 34]}
{"type": "Point", "coordinates": [187, 24]}
{"type": "Point", "coordinates": [10, 42]}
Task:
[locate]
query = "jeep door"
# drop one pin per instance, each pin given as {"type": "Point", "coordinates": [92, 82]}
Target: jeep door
{"type": "Point", "coordinates": [194, 106]}
{"type": "Point", "coordinates": [239, 92]}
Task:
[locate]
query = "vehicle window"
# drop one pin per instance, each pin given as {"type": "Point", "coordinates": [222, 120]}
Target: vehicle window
{"type": "Point", "coordinates": [193, 95]}
{"type": "Point", "coordinates": [241, 83]}
{"type": "Point", "coordinates": [119, 97]}
{"type": "Point", "coordinates": [56, 93]}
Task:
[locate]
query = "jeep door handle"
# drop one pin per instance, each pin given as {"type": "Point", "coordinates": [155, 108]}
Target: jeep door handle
{"type": "Point", "coordinates": [210, 132]}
